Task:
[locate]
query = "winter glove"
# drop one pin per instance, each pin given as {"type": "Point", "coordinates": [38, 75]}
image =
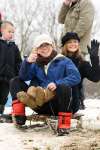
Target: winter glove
{"type": "Point", "coordinates": [35, 96]}
{"type": "Point", "coordinates": [41, 95]}
{"type": "Point", "coordinates": [93, 50]}
{"type": "Point", "coordinates": [26, 99]}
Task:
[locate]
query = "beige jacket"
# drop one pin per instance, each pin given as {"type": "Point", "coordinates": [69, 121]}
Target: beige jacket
{"type": "Point", "coordinates": [79, 19]}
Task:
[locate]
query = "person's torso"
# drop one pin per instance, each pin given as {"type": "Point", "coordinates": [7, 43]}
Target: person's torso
{"type": "Point", "coordinates": [56, 71]}
{"type": "Point", "coordinates": [72, 17]}
{"type": "Point", "coordinates": [7, 59]}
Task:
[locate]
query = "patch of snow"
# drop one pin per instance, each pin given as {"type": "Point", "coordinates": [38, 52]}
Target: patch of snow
{"type": "Point", "coordinates": [8, 110]}
{"type": "Point", "coordinates": [90, 120]}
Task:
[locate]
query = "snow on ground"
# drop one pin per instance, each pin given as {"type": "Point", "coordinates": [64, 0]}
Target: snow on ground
{"type": "Point", "coordinates": [92, 108]}
{"type": "Point", "coordinates": [91, 118]}
{"type": "Point", "coordinates": [8, 110]}
{"type": "Point", "coordinates": [12, 138]}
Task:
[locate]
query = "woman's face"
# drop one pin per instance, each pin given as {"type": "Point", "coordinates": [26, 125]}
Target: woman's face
{"type": "Point", "coordinates": [73, 45]}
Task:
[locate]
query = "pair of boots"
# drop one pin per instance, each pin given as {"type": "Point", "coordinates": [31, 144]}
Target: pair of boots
{"type": "Point", "coordinates": [19, 118]}
{"type": "Point", "coordinates": [35, 96]}
{"type": "Point", "coordinates": [64, 123]}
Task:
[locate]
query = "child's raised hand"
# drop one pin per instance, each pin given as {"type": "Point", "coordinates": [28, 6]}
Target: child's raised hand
{"type": "Point", "coordinates": [32, 57]}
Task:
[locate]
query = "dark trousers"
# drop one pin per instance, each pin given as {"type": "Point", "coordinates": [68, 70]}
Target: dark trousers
{"type": "Point", "coordinates": [82, 97]}
{"type": "Point", "coordinates": [62, 102]}
{"type": "Point", "coordinates": [75, 99]}
{"type": "Point", "coordinates": [4, 91]}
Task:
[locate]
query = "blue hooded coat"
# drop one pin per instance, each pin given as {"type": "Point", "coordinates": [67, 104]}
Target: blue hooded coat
{"type": "Point", "coordinates": [61, 70]}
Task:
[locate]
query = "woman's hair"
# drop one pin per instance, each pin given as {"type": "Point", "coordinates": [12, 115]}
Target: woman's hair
{"type": "Point", "coordinates": [76, 54]}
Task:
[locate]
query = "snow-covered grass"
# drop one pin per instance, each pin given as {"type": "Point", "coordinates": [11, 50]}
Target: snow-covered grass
{"type": "Point", "coordinates": [91, 118]}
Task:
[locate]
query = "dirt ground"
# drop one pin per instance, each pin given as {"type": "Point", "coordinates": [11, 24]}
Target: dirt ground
{"type": "Point", "coordinates": [39, 136]}
{"type": "Point", "coordinates": [42, 138]}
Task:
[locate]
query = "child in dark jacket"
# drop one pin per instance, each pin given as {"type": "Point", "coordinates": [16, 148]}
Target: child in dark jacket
{"type": "Point", "coordinates": [10, 61]}
{"type": "Point", "coordinates": [91, 71]}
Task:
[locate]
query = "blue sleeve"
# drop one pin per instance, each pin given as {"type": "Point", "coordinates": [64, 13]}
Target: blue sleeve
{"type": "Point", "coordinates": [72, 76]}
{"type": "Point", "coordinates": [26, 72]}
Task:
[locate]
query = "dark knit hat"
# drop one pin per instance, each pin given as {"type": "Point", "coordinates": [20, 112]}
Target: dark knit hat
{"type": "Point", "coordinates": [68, 36]}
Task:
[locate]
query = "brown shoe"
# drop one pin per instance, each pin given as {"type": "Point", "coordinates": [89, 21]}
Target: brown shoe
{"type": "Point", "coordinates": [27, 99]}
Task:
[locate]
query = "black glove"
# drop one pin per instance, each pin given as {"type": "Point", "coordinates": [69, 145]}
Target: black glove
{"type": "Point", "coordinates": [93, 50]}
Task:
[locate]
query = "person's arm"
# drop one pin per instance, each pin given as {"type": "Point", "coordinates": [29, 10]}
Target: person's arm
{"type": "Point", "coordinates": [72, 75]}
{"type": "Point", "coordinates": [85, 18]}
{"type": "Point", "coordinates": [62, 13]}
{"type": "Point", "coordinates": [18, 60]}
{"type": "Point", "coordinates": [93, 51]}
{"type": "Point", "coordinates": [27, 68]}
{"type": "Point", "coordinates": [92, 71]}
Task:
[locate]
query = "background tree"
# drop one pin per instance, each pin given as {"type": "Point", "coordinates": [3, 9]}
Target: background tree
{"type": "Point", "coordinates": [35, 17]}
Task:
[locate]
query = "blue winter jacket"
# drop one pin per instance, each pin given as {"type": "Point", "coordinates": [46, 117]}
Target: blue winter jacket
{"type": "Point", "coordinates": [60, 71]}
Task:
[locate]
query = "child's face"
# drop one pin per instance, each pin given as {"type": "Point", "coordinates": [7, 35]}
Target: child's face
{"type": "Point", "coordinates": [8, 32]}
{"type": "Point", "coordinates": [45, 50]}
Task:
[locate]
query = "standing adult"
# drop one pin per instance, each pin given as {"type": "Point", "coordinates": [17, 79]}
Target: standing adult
{"type": "Point", "coordinates": [77, 16]}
